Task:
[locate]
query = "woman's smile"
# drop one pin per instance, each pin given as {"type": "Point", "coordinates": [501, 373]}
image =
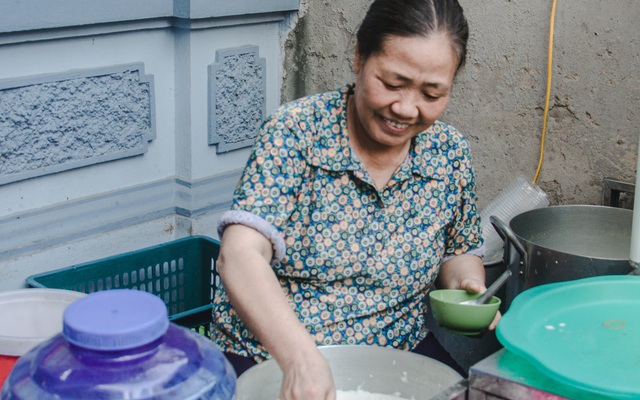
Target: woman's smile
{"type": "Point", "coordinates": [396, 126]}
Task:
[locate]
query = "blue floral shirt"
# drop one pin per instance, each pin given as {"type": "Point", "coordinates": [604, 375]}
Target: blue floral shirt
{"type": "Point", "coordinates": [355, 263]}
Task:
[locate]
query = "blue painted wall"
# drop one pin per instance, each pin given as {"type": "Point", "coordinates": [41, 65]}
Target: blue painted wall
{"type": "Point", "coordinates": [113, 133]}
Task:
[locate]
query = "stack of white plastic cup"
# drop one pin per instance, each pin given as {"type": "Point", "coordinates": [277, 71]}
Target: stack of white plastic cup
{"type": "Point", "coordinates": [517, 198]}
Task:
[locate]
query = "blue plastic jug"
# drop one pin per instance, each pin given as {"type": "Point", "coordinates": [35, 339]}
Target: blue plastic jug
{"type": "Point", "coordinates": [119, 344]}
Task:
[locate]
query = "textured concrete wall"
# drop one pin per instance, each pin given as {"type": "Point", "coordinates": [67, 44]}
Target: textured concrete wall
{"type": "Point", "coordinates": [498, 100]}
{"type": "Point", "coordinates": [237, 93]}
{"type": "Point", "coordinates": [73, 120]}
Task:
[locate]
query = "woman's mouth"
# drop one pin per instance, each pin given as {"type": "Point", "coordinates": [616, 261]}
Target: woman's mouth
{"type": "Point", "coordinates": [395, 125]}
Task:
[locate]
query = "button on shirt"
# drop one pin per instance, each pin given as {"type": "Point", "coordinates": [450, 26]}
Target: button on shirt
{"type": "Point", "coordinates": [355, 263]}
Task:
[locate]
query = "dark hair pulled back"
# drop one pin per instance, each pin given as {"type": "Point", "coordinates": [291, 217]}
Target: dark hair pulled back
{"type": "Point", "coordinates": [413, 18]}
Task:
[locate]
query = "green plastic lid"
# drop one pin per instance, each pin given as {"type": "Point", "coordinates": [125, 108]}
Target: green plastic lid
{"type": "Point", "coordinates": [584, 333]}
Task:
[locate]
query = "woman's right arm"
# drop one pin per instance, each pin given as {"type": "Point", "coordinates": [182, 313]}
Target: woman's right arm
{"type": "Point", "coordinates": [256, 295]}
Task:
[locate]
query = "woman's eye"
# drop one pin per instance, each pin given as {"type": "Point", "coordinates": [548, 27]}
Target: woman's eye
{"type": "Point", "coordinates": [391, 87]}
{"type": "Point", "coordinates": [430, 97]}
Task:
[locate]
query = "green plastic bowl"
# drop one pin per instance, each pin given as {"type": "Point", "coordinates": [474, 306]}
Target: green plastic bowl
{"type": "Point", "coordinates": [459, 318]}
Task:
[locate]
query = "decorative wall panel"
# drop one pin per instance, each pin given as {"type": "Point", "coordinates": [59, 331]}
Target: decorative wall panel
{"type": "Point", "coordinates": [58, 122]}
{"type": "Point", "coordinates": [237, 97]}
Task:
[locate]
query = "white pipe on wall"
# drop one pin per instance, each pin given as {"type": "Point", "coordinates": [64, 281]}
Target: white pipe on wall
{"type": "Point", "coordinates": [634, 256]}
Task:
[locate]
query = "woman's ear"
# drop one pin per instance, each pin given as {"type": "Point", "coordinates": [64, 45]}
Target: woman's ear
{"type": "Point", "coordinates": [357, 61]}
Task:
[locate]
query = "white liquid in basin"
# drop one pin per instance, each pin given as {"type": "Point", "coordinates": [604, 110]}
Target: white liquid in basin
{"type": "Point", "coordinates": [364, 395]}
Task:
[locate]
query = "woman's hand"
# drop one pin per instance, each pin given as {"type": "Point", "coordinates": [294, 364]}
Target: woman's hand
{"type": "Point", "coordinates": [465, 272]}
{"type": "Point", "coordinates": [473, 286]}
{"type": "Point", "coordinates": [307, 377]}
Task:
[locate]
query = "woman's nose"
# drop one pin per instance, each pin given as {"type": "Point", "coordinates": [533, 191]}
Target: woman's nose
{"type": "Point", "coordinates": [405, 106]}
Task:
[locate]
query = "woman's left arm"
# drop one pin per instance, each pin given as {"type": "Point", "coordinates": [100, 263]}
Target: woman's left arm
{"type": "Point", "coordinates": [466, 272]}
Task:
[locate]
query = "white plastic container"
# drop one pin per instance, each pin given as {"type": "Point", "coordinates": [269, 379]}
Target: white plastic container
{"type": "Point", "coordinates": [28, 317]}
{"type": "Point", "coordinates": [515, 199]}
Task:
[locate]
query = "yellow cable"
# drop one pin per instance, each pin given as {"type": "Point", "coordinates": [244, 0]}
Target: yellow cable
{"type": "Point", "coordinates": [548, 94]}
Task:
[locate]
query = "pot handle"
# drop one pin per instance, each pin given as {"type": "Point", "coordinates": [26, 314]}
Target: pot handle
{"type": "Point", "coordinates": [509, 237]}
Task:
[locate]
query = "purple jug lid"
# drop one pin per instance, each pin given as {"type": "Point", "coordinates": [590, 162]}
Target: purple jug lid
{"type": "Point", "coordinates": [116, 319]}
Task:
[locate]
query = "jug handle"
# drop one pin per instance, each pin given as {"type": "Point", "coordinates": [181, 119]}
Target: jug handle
{"type": "Point", "coordinates": [508, 236]}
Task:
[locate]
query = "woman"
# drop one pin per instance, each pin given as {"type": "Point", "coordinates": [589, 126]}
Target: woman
{"type": "Point", "coordinates": [352, 203]}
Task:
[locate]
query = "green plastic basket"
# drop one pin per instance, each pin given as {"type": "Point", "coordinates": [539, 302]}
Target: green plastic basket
{"type": "Point", "coordinates": [182, 273]}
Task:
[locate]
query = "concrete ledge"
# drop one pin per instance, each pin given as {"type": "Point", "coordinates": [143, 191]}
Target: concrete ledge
{"type": "Point", "coordinates": [53, 14]}
{"type": "Point", "coordinates": [193, 9]}
{"type": "Point", "coordinates": [39, 229]}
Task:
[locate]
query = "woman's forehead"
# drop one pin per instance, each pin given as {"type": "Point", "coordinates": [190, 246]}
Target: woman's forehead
{"type": "Point", "coordinates": [418, 57]}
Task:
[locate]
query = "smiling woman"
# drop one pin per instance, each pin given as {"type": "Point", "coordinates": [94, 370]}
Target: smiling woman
{"type": "Point", "coordinates": [354, 203]}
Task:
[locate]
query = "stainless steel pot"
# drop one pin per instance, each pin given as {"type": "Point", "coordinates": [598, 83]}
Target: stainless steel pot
{"type": "Point", "coordinates": [374, 369]}
{"type": "Point", "coordinates": [562, 243]}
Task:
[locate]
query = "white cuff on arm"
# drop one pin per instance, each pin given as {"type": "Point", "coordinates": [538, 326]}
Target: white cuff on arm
{"type": "Point", "coordinates": [259, 224]}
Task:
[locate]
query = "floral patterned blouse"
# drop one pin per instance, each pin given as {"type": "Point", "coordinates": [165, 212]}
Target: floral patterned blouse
{"type": "Point", "coordinates": [355, 263]}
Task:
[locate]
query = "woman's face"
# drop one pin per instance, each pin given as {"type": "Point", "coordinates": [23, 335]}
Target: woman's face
{"type": "Point", "coordinates": [402, 89]}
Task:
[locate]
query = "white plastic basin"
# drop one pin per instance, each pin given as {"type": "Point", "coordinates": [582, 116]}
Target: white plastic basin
{"type": "Point", "coordinates": [28, 317]}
